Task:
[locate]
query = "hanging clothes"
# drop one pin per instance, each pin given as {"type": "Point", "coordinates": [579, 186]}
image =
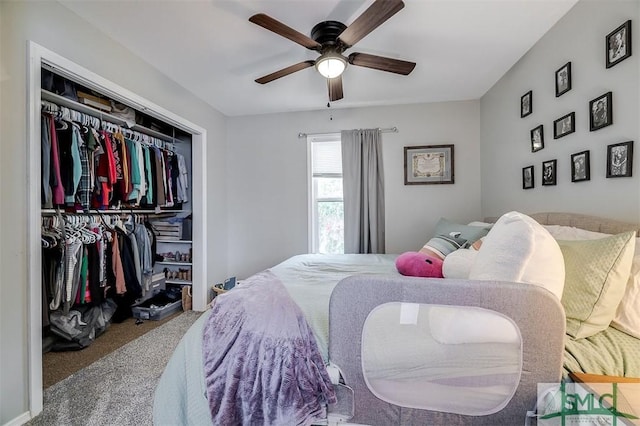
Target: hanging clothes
{"type": "Point", "coordinates": [183, 179]}
{"type": "Point", "coordinates": [56, 181]}
{"type": "Point", "coordinates": [143, 240]}
{"type": "Point", "coordinates": [116, 261]}
{"type": "Point", "coordinates": [84, 168]}
{"type": "Point", "coordinates": [136, 177]}
{"type": "Point", "coordinates": [45, 160]}
{"type": "Point", "coordinates": [161, 187]}
{"type": "Point", "coordinates": [106, 176]}
{"type": "Point", "coordinates": [148, 197]}
{"type": "Point", "coordinates": [167, 179]}
{"type": "Point", "coordinates": [83, 193]}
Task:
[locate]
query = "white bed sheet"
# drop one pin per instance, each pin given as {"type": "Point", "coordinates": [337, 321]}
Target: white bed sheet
{"type": "Point", "coordinates": [310, 279]}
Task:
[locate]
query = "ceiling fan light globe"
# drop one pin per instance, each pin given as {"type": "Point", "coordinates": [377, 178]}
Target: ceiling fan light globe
{"type": "Point", "coordinates": [331, 66]}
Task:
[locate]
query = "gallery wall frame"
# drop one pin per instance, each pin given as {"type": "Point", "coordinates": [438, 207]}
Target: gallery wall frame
{"type": "Point", "coordinates": [564, 125]}
{"type": "Point", "coordinates": [549, 172]}
{"type": "Point", "coordinates": [563, 79]}
{"type": "Point", "coordinates": [537, 138]}
{"type": "Point", "coordinates": [601, 111]}
{"type": "Point", "coordinates": [528, 177]}
{"type": "Point", "coordinates": [580, 166]}
{"type": "Point", "coordinates": [620, 159]}
{"type": "Point", "coordinates": [618, 45]}
{"type": "Point", "coordinates": [526, 104]}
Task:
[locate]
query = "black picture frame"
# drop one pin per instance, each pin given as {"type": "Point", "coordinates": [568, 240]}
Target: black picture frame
{"type": "Point", "coordinates": [549, 172]}
{"type": "Point", "coordinates": [563, 79]}
{"type": "Point", "coordinates": [620, 159]}
{"type": "Point", "coordinates": [564, 125]}
{"type": "Point", "coordinates": [528, 177]}
{"type": "Point", "coordinates": [429, 164]}
{"type": "Point", "coordinates": [601, 112]}
{"type": "Point", "coordinates": [526, 104]}
{"type": "Point", "coordinates": [618, 44]}
{"type": "Point", "coordinates": [537, 138]}
{"type": "Point", "coordinates": [580, 166]}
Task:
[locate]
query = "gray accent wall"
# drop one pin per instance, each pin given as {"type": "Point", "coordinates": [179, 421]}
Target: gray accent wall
{"type": "Point", "coordinates": [267, 177]}
{"type": "Point", "coordinates": [578, 37]}
{"type": "Point", "coordinates": [56, 28]}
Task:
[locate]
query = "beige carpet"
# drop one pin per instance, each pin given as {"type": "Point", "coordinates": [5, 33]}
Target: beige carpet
{"type": "Point", "coordinates": [117, 389]}
{"type": "Point", "coordinates": [57, 366]}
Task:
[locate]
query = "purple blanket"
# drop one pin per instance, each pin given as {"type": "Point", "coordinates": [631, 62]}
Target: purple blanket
{"type": "Point", "coordinates": [261, 362]}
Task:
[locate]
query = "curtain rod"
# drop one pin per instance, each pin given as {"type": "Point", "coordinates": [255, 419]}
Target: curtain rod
{"type": "Point", "coordinates": [387, 130]}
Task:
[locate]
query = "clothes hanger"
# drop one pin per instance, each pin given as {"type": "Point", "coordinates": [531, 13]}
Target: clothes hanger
{"type": "Point", "coordinates": [63, 123]}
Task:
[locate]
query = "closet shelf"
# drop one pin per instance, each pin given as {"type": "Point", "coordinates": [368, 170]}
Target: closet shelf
{"type": "Point", "coordinates": [168, 262]}
{"type": "Point", "coordinates": [69, 103]}
{"type": "Point", "coordinates": [164, 240]}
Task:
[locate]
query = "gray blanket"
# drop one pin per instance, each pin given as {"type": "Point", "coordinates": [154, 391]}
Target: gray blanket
{"type": "Point", "coordinates": [261, 361]}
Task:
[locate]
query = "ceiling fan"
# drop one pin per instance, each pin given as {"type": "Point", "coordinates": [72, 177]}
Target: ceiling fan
{"type": "Point", "coordinates": [331, 39]}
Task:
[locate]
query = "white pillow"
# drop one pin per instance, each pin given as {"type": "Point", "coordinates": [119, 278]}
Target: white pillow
{"type": "Point", "coordinates": [519, 249]}
{"type": "Point", "coordinates": [570, 233]}
{"type": "Point", "coordinates": [627, 317]}
{"type": "Point", "coordinates": [464, 324]}
{"type": "Point", "coordinates": [480, 224]}
{"type": "Point", "coordinates": [458, 264]}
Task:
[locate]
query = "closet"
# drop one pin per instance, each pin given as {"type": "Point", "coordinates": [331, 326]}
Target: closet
{"type": "Point", "coordinates": [116, 210]}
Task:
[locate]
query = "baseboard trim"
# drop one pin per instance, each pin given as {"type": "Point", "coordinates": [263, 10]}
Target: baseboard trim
{"type": "Point", "coordinates": [20, 420]}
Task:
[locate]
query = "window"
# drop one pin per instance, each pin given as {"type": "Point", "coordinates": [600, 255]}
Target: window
{"type": "Point", "coordinates": [326, 203]}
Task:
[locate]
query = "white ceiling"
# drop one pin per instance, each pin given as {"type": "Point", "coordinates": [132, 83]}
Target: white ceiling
{"type": "Point", "coordinates": [461, 47]}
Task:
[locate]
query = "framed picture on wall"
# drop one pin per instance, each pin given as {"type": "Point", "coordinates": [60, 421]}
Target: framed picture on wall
{"type": "Point", "coordinates": [549, 172]}
{"type": "Point", "coordinates": [620, 160]}
{"type": "Point", "coordinates": [564, 125]}
{"type": "Point", "coordinates": [580, 166]}
{"type": "Point", "coordinates": [429, 164]}
{"type": "Point", "coordinates": [618, 44]}
{"type": "Point", "coordinates": [537, 138]}
{"type": "Point", "coordinates": [526, 104]}
{"type": "Point", "coordinates": [563, 79]}
{"type": "Point", "coordinates": [528, 178]}
{"type": "Point", "coordinates": [601, 112]}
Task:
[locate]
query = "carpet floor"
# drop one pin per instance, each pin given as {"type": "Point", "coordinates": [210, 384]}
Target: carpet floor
{"type": "Point", "coordinates": [57, 366]}
{"type": "Point", "coordinates": [118, 388]}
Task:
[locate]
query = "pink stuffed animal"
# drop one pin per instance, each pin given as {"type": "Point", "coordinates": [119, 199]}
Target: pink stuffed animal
{"type": "Point", "coordinates": [417, 264]}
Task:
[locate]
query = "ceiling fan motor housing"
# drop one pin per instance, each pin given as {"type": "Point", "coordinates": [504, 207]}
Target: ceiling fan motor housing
{"type": "Point", "coordinates": [326, 33]}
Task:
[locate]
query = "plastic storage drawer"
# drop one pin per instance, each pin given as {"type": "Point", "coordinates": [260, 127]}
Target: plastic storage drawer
{"type": "Point", "coordinates": [156, 313]}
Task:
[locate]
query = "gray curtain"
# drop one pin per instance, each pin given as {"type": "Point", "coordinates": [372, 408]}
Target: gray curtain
{"type": "Point", "coordinates": [363, 189]}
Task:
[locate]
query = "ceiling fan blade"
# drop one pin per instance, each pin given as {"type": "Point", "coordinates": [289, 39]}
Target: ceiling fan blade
{"type": "Point", "coordinates": [372, 18]}
{"type": "Point", "coordinates": [381, 63]}
{"type": "Point", "coordinates": [285, 71]}
{"type": "Point", "coordinates": [335, 88]}
{"type": "Point", "coordinates": [281, 29]}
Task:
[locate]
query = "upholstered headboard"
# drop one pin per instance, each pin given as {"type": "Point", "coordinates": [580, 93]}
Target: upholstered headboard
{"type": "Point", "coordinates": [582, 221]}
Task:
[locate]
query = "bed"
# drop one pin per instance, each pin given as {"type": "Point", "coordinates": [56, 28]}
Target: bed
{"type": "Point", "coordinates": [410, 351]}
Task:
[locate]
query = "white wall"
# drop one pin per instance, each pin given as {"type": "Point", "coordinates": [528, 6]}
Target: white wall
{"type": "Point", "coordinates": [578, 37]}
{"type": "Point", "coordinates": [267, 177]}
{"type": "Point", "coordinates": [58, 29]}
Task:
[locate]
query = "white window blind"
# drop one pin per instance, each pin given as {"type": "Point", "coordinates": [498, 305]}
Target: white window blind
{"type": "Point", "coordinates": [327, 158]}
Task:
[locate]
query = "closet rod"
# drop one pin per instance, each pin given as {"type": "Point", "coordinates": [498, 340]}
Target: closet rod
{"type": "Point", "coordinates": [46, 212]}
{"type": "Point", "coordinates": [386, 130]}
{"type": "Point", "coordinates": [104, 116]}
